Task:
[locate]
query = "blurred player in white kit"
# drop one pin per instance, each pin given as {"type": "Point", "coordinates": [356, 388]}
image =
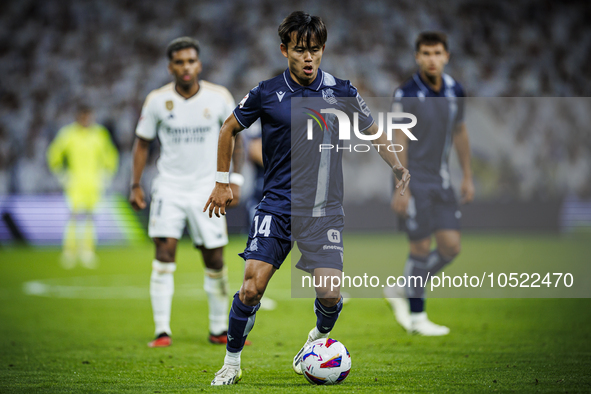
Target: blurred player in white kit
{"type": "Point", "coordinates": [185, 116]}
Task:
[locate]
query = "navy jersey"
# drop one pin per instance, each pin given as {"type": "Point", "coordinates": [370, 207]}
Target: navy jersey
{"type": "Point", "coordinates": [438, 114]}
{"type": "Point", "coordinates": [251, 134]}
{"type": "Point", "coordinates": [271, 102]}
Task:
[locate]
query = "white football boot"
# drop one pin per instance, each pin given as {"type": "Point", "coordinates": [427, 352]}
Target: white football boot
{"type": "Point", "coordinates": [421, 325]}
{"type": "Point", "coordinates": [68, 260]}
{"type": "Point", "coordinates": [297, 360]}
{"type": "Point", "coordinates": [89, 259]}
{"type": "Point", "coordinates": [268, 304]}
{"type": "Point", "coordinates": [399, 304]}
{"type": "Point", "coordinates": [229, 374]}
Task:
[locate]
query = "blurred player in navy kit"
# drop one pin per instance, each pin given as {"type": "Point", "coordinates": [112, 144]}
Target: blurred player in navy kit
{"type": "Point", "coordinates": [430, 208]}
{"type": "Point", "coordinates": [303, 40]}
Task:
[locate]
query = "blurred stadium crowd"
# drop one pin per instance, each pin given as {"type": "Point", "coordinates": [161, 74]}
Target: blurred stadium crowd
{"type": "Point", "coordinates": [110, 54]}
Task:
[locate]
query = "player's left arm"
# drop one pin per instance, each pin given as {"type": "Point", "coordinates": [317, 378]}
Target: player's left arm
{"type": "Point", "coordinates": [380, 144]}
{"type": "Point", "coordinates": [462, 145]}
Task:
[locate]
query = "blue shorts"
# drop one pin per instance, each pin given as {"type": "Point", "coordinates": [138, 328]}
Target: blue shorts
{"type": "Point", "coordinates": [431, 208]}
{"type": "Point", "coordinates": [319, 240]}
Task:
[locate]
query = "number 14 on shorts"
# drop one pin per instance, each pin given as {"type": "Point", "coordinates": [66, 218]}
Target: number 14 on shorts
{"type": "Point", "coordinates": [265, 228]}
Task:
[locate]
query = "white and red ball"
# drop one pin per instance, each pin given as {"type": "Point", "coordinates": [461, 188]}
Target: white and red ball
{"type": "Point", "coordinates": [326, 361]}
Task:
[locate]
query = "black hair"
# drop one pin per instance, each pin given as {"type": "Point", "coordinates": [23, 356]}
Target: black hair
{"type": "Point", "coordinates": [431, 38]}
{"type": "Point", "coordinates": [83, 108]}
{"type": "Point", "coordinates": [307, 27]}
{"type": "Point", "coordinates": [181, 43]}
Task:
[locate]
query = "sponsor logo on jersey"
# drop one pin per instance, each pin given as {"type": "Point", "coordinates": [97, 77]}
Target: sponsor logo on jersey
{"type": "Point", "coordinates": [332, 247]}
{"type": "Point", "coordinates": [328, 96]}
{"type": "Point", "coordinates": [169, 105]}
{"type": "Point", "coordinates": [280, 95]}
{"type": "Point", "coordinates": [334, 236]}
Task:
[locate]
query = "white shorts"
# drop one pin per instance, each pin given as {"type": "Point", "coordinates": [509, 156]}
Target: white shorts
{"type": "Point", "coordinates": [171, 208]}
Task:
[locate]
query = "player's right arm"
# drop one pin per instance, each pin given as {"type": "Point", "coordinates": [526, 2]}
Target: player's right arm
{"type": "Point", "coordinates": [244, 115]}
{"type": "Point", "coordinates": [57, 151]}
{"type": "Point", "coordinates": [146, 131]}
{"type": "Point", "coordinates": [56, 155]}
{"type": "Point", "coordinates": [221, 196]}
{"type": "Point", "coordinates": [140, 157]}
{"type": "Point", "coordinates": [400, 202]}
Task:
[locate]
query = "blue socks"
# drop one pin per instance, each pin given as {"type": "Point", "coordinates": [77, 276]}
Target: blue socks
{"type": "Point", "coordinates": [418, 266]}
{"type": "Point", "coordinates": [242, 318]}
{"type": "Point", "coordinates": [326, 317]}
{"type": "Point", "coordinates": [241, 321]}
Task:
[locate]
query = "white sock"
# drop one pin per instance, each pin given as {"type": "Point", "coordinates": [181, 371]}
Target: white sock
{"type": "Point", "coordinates": [416, 317]}
{"type": "Point", "coordinates": [232, 358]}
{"type": "Point", "coordinates": [161, 291]}
{"type": "Point", "coordinates": [315, 334]}
{"type": "Point", "coordinates": [216, 287]}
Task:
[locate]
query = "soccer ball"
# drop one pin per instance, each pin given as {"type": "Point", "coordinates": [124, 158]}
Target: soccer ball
{"type": "Point", "coordinates": [326, 361]}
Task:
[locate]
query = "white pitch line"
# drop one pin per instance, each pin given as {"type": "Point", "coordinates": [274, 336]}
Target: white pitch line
{"type": "Point", "coordinates": [119, 287]}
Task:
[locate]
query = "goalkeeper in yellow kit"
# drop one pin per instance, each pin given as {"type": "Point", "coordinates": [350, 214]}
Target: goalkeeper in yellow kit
{"type": "Point", "coordinates": [83, 157]}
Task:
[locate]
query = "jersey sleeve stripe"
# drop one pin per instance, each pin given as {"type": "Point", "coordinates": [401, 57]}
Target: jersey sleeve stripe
{"type": "Point", "coordinates": [238, 119]}
{"type": "Point", "coordinates": [371, 124]}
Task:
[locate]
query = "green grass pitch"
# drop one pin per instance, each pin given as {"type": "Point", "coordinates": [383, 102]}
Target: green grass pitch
{"type": "Point", "coordinates": [86, 331]}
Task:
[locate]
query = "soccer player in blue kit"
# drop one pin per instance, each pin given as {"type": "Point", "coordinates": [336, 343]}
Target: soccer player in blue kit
{"type": "Point", "coordinates": [303, 40]}
{"type": "Point", "coordinates": [430, 208]}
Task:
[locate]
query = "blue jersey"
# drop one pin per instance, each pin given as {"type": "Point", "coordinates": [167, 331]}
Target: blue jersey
{"type": "Point", "coordinates": [438, 114]}
{"type": "Point", "coordinates": [271, 102]}
{"type": "Point", "coordinates": [253, 133]}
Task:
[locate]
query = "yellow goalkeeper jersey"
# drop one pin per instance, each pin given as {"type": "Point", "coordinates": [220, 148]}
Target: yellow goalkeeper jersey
{"type": "Point", "coordinates": [86, 156]}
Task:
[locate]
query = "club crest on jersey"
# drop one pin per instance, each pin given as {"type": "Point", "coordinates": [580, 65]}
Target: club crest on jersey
{"type": "Point", "coordinates": [206, 113]}
{"type": "Point", "coordinates": [328, 96]}
{"type": "Point", "coordinates": [169, 105]}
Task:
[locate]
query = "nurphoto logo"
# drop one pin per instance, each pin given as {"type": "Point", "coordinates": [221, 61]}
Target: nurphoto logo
{"type": "Point", "coordinates": [392, 120]}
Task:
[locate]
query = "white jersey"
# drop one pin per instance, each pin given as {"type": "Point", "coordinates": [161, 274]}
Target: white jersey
{"type": "Point", "coordinates": [188, 131]}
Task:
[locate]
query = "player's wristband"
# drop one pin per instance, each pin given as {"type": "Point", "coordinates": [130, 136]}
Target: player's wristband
{"type": "Point", "coordinates": [222, 177]}
{"type": "Point", "coordinates": [135, 185]}
{"type": "Point", "coordinates": [237, 179]}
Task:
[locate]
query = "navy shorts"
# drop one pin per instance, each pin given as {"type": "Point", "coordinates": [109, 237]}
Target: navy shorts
{"type": "Point", "coordinates": [319, 240]}
{"type": "Point", "coordinates": [431, 208]}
